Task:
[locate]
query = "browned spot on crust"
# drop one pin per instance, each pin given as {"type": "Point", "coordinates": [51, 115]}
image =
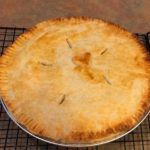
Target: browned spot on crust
{"type": "Point", "coordinates": [82, 59]}
{"type": "Point", "coordinates": [92, 75]}
{"type": "Point", "coordinates": [84, 69]}
{"type": "Point", "coordinates": [41, 131]}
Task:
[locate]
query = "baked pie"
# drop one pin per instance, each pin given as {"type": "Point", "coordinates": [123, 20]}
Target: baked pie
{"type": "Point", "coordinates": [76, 80]}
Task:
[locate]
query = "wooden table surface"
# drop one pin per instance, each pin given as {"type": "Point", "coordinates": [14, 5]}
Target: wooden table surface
{"type": "Point", "coordinates": [133, 15]}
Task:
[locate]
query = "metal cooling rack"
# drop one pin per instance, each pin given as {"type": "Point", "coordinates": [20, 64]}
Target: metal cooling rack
{"type": "Point", "coordinates": [13, 138]}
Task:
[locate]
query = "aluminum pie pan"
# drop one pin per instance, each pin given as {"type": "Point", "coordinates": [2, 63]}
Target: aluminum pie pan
{"type": "Point", "coordinates": [58, 143]}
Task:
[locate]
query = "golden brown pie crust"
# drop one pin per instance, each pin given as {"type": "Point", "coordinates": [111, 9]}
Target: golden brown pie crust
{"type": "Point", "coordinates": [76, 80]}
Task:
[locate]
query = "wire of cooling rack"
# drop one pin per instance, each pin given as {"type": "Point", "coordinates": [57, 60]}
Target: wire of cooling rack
{"type": "Point", "coordinates": [13, 138]}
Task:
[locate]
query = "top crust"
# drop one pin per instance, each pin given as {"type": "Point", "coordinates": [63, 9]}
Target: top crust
{"type": "Point", "coordinates": [76, 80]}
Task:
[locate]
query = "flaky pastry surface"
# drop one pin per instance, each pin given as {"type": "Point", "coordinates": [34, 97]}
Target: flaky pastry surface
{"type": "Point", "coordinates": [76, 80]}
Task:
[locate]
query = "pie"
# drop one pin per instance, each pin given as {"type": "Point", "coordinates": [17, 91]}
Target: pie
{"type": "Point", "coordinates": [76, 80]}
